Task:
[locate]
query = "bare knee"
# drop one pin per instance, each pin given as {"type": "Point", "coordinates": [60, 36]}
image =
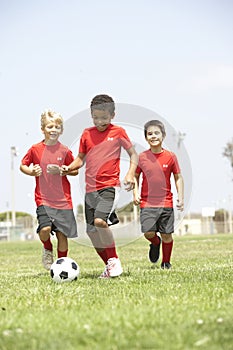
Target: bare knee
{"type": "Point", "coordinates": [100, 223]}
{"type": "Point", "coordinates": [45, 233]}
{"type": "Point", "coordinates": [149, 235]}
{"type": "Point", "coordinates": [166, 237]}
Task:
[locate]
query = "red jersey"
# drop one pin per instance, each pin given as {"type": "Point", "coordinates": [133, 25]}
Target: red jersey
{"type": "Point", "coordinates": [102, 150]}
{"type": "Point", "coordinates": [51, 190]}
{"type": "Point", "coordinates": [156, 169]}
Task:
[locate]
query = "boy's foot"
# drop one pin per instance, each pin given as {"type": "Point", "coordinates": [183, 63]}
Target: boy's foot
{"type": "Point", "coordinates": [47, 258]}
{"type": "Point", "coordinates": [154, 252]}
{"type": "Point", "coordinates": [166, 266]}
{"type": "Point", "coordinates": [114, 267]}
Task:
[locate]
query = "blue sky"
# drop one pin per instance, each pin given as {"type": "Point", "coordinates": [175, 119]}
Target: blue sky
{"type": "Point", "coordinates": [172, 57]}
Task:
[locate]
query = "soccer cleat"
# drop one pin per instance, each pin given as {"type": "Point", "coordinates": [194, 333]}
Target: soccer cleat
{"type": "Point", "coordinates": [47, 258]}
{"type": "Point", "coordinates": [114, 267]}
{"type": "Point", "coordinates": [154, 252]}
{"type": "Point", "coordinates": [166, 266]}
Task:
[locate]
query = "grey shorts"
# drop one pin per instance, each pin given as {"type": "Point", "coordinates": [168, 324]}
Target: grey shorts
{"type": "Point", "coordinates": [60, 220]}
{"type": "Point", "coordinates": [101, 204]}
{"type": "Point", "coordinates": [157, 220]}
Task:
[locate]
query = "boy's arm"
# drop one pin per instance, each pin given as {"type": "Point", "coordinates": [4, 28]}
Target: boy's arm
{"type": "Point", "coordinates": [129, 180]}
{"type": "Point", "coordinates": [72, 172]}
{"type": "Point", "coordinates": [136, 194]}
{"type": "Point", "coordinates": [32, 170]}
{"type": "Point", "coordinates": [74, 166]}
{"type": "Point", "coordinates": [179, 182]}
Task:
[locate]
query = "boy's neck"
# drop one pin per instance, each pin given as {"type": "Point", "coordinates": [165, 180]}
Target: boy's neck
{"type": "Point", "coordinates": [50, 142]}
{"type": "Point", "coordinates": [156, 149]}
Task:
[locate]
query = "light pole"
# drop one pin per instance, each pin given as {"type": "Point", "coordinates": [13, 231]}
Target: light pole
{"type": "Point", "coordinates": [13, 154]}
{"type": "Point", "coordinates": [180, 138]}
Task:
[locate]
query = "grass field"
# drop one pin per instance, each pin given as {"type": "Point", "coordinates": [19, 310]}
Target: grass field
{"type": "Point", "coordinates": [188, 307]}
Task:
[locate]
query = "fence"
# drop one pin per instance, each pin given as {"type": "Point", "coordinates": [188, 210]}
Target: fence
{"type": "Point", "coordinates": [127, 223]}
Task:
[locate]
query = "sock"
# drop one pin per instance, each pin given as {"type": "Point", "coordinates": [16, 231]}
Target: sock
{"type": "Point", "coordinates": [167, 251]}
{"type": "Point", "coordinates": [111, 251]}
{"type": "Point", "coordinates": [61, 254]}
{"type": "Point", "coordinates": [103, 255]}
{"type": "Point", "coordinates": [154, 240]}
{"type": "Point", "coordinates": [47, 244]}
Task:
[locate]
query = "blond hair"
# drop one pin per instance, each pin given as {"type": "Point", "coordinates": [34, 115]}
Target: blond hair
{"type": "Point", "coordinates": [47, 115]}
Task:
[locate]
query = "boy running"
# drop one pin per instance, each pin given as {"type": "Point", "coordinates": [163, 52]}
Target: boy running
{"type": "Point", "coordinates": [52, 192]}
{"type": "Point", "coordinates": [156, 200]}
{"type": "Point", "coordinates": [100, 148]}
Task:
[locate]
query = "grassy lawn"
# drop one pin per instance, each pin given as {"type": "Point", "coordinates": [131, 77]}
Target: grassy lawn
{"type": "Point", "coordinates": [188, 307]}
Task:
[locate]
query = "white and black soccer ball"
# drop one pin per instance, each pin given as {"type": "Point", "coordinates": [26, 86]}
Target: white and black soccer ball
{"type": "Point", "coordinates": [64, 270]}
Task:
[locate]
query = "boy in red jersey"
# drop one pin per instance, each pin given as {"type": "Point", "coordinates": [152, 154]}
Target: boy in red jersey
{"type": "Point", "coordinates": [100, 147]}
{"type": "Point", "coordinates": [52, 192]}
{"type": "Point", "coordinates": [156, 199]}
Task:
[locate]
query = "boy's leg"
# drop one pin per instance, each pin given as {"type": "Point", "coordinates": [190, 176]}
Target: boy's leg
{"type": "Point", "coordinates": [44, 235]}
{"type": "Point", "coordinates": [152, 237]}
{"type": "Point", "coordinates": [47, 256]}
{"type": "Point", "coordinates": [44, 231]}
{"type": "Point", "coordinates": [148, 219]}
{"type": "Point", "coordinates": [62, 245]}
{"type": "Point", "coordinates": [98, 207]}
{"type": "Point", "coordinates": [166, 228]}
{"type": "Point", "coordinates": [95, 237]}
{"type": "Point", "coordinates": [113, 267]}
{"type": "Point", "coordinates": [154, 251]}
{"type": "Point", "coordinates": [167, 245]}
{"type": "Point", "coordinates": [97, 243]}
{"type": "Point", "coordinates": [107, 239]}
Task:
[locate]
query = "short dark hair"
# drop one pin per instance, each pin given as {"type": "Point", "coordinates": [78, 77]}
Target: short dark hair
{"type": "Point", "coordinates": [155, 123]}
{"type": "Point", "coordinates": [103, 102]}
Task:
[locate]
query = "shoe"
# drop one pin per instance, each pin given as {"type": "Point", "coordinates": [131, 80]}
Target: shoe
{"type": "Point", "coordinates": [47, 258]}
{"type": "Point", "coordinates": [154, 252]}
{"type": "Point", "coordinates": [105, 273]}
{"type": "Point", "coordinates": [166, 266]}
{"type": "Point", "coordinates": [114, 267]}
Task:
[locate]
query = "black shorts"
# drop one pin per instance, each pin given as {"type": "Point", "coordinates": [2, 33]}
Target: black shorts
{"type": "Point", "coordinates": [101, 204]}
{"type": "Point", "coordinates": [60, 220]}
{"type": "Point", "coordinates": [157, 219]}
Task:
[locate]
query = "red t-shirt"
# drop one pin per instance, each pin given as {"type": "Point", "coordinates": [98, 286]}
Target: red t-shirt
{"type": "Point", "coordinates": [156, 169]}
{"type": "Point", "coordinates": [51, 190]}
{"type": "Point", "coordinates": [102, 150]}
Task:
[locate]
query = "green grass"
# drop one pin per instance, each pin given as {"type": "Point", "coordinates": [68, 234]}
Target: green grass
{"type": "Point", "coordinates": [188, 307]}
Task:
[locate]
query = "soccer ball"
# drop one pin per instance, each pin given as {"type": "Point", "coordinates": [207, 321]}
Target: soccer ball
{"type": "Point", "coordinates": [64, 270]}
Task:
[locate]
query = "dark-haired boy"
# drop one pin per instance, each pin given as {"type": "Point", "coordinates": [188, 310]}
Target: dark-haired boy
{"type": "Point", "coordinates": [100, 148]}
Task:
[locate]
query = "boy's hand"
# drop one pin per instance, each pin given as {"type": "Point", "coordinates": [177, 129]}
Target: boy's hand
{"type": "Point", "coordinates": [129, 183]}
{"type": "Point", "coordinates": [36, 170]}
{"type": "Point", "coordinates": [180, 204]}
{"type": "Point", "coordinates": [137, 200]}
{"type": "Point", "coordinates": [53, 169]}
{"type": "Point", "coordinates": [64, 170]}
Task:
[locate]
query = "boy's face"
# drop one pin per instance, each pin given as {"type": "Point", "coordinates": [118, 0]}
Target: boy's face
{"type": "Point", "coordinates": [154, 136]}
{"type": "Point", "coordinates": [101, 118]}
{"type": "Point", "coordinates": [52, 131]}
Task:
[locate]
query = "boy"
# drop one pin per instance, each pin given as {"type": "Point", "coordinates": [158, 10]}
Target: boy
{"type": "Point", "coordinates": [156, 199]}
{"type": "Point", "coordinates": [52, 192]}
{"type": "Point", "coordinates": [100, 147]}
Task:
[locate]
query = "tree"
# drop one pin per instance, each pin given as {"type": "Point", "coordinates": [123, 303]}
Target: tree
{"type": "Point", "coordinates": [19, 214]}
{"type": "Point", "coordinates": [80, 209]}
{"type": "Point", "coordinates": [228, 152]}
